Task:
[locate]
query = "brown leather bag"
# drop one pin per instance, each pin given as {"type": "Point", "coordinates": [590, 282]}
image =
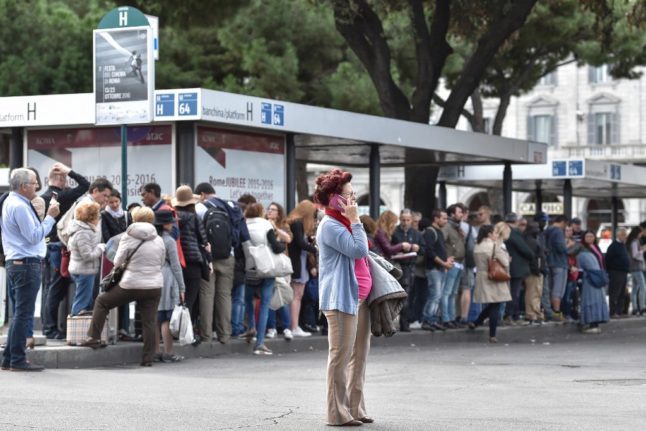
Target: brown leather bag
{"type": "Point", "coordinates": [496, 271]}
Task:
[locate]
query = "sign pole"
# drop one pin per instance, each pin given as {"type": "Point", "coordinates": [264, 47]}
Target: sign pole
{"type": "Point", "coordinates": [124, 166]}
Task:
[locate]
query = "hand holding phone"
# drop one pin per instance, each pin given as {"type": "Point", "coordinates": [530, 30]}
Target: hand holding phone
{"type": "Point", "coordinates": [334, 202]}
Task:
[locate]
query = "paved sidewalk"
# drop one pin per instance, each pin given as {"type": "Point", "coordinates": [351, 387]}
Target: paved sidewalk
{"type": "Point", "coordinates": [55, 354]}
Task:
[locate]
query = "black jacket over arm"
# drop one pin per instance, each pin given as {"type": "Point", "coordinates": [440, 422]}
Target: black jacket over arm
{"type": "Point", "coordinates": [297, 245]}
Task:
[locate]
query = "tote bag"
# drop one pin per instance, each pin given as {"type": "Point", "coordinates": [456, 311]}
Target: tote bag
{"type": "Point", "coordinates": [269, 264]}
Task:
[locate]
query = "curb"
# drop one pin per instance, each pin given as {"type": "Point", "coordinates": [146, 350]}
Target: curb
{"type": "Point", "coordinates": [126, 353]}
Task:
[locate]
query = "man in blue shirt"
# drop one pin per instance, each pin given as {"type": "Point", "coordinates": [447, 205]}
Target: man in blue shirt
{"type": "Point", "coordinates": [23, 239]}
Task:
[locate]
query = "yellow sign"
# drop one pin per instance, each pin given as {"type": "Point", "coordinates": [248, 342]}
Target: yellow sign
{"type": "Point", "coordinates": [548, 207]}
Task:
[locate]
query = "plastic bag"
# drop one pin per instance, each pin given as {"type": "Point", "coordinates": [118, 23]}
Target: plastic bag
{"type": "Point", "coordinates": [175, 320]}
{"type": "Point", "coordinates": [186, 335]}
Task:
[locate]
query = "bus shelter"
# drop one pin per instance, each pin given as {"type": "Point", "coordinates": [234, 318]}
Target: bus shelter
{"type": "Point", "coordinates": [566, 177]}
{"type": "Point", "coordinates": [240, 144]}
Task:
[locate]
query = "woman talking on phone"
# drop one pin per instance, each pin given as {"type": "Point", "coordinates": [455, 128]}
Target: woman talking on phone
{"type": "Point", "coordinates": [344, 285]}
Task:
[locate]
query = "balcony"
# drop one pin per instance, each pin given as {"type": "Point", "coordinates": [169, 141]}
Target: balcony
{"type": "Point", "coordinates": [632, 153]}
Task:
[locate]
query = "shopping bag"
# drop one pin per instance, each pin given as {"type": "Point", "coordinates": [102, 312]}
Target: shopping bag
{"type": "Point", "coordinates": [175, 319]}
{"type": "Point", "coordinates": [186, 335]}
{"type": "Point", "coordinates": [283, 293]}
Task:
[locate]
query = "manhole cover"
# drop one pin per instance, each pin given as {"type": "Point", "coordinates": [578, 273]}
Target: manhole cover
{"type": "Point", "coordinates": [615, 382]}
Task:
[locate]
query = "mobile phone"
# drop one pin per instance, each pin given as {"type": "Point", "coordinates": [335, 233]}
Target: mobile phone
{"type": "Point", "coordinates": [55, 195]}
{"type": "Point", "coordinates": [334, 202]}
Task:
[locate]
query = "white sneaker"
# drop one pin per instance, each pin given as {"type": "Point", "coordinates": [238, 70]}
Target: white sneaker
{"type": "Point", "coordinates": [298, 332]}
{"type": "Point", "coordinates": [288, 334]}
{"type": "Point", "coordinates": [262, 350]}
{"type": "Point", "coordinates": [271, 333]}
{"type": "Point", "coordinates": [415, 325]}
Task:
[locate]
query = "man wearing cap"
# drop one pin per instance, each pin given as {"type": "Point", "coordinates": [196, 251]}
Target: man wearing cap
{"type": "Point", "coordinates": [577, 232]}
{"type": "Point", "coordinates": [521, 257]}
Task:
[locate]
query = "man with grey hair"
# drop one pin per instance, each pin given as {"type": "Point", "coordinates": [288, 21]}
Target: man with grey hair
{"type": "Point", "coordinates": [404, 232]}
{"type": "Point", "coordinates": [618, 267]}
{"type": "Point", "coordinates": [23, 240]}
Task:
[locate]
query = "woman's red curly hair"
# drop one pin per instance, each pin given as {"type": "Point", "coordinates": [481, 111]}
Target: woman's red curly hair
{"type": "Point", "coordinates": [330, 183]}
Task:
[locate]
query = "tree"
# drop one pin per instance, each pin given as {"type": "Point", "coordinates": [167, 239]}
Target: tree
{"type": "Point", "coordinates": [494, 21]}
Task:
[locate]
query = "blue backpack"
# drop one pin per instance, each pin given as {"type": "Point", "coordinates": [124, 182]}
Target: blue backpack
{"type": "Point", "coordinates": [597, 277]}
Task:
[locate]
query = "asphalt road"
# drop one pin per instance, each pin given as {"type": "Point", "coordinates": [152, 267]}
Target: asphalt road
{"type": "Point", "coordinates": [583, 383]}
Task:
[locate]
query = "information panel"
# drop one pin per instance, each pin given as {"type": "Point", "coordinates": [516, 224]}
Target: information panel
{"type": "Point", "coordinates": [235, 163]}
{"type": "Point", "coordinates": [123, 75]}
{"type": "Point", "coordinates": [95, 152]}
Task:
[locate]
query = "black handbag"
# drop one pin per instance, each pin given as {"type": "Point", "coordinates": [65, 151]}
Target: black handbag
{"type": "Point", "coordinates": [113, 278]}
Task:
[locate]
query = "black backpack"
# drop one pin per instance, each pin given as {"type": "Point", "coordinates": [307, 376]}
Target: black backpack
{"type": "Point", "coordinates": [218, 231]}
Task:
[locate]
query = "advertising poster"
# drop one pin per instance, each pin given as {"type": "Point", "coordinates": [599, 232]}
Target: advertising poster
{"type": "Point", "coordinates": [96, 152]}
{"type": "Point", "coordinates": [123, 75]}
{"type": "Point", "coordinates": [235, 163]}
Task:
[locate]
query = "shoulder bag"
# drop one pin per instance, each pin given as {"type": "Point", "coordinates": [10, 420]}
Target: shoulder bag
{"type": "Point", "coordinates": [269, 264]}
{"type": "Point", "coordinates": [116, 273]}
{"type": "Point", "coordinates": [496, 271]}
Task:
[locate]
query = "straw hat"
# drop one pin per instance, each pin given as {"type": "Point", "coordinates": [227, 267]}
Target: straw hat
{"type": "Point", "coordinates": [184, 196]}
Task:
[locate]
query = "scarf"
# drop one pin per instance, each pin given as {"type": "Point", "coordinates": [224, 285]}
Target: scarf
{"type": "Point", "coordinates": [115, 214]}
{"type": "Point", "coordinates": [336, 215]}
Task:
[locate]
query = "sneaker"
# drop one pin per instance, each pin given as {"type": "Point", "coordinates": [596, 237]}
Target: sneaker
{"type": "Point", "coordinates": [450, 325]}
{"type": "Point", "coordinates": [288, 334]}
{"type": "Point", "coordinates": [557, 316]}
{"type": "Point", "coordinates": [595, 330]}
{"type": "Point", "coordinates": [271, 333]}
{"type": "Point", "coordinates": [262, 350]}
{"type": "Point", "coordinates": [415, 325]}
{"type": "Point", "coordinates": [427, 327]}
{"type": "Point", "coordinates": [438, 326]}
{"type": "Point", "coordinates": [298, 332]}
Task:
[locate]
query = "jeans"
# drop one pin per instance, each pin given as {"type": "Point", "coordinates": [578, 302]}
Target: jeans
{"type": "Point", "coordinates": [474, 309]}
{"type": "Point", "coordinates": [56, 290]}
{"type": "Point", "coordinates": [266, 290]}
{"type": "Point", "coordinates": [237, 309]}
{"type": "Point", "coordinates": [568, 305]}
{"type": "Point", "coordinates": [449, 292]}
{"type": "Point", "coordinates": [24, 282]}
{"type": "Point", "coordinates": [492, 311]}
{"type": "Point", "coordinates": [435, 279]}
{"type": "Point", "coordinates": [513, 306]}
{"type": "Point", "coordinates": [558, 282]}
{"type": "Point", "coordinates": [638, 293]}
{"type": "Point", "coordinates": [545, 297]}
{"type": "Point", "coordinates": [417, 299]}
{"type": "Point", "coordinates": [284, 317]}
{"type": "Point", "coordinates": [83, 294]}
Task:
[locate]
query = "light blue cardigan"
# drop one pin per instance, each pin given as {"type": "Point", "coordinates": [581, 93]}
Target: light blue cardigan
{"type": "Point", "coordinates": [338, 249]}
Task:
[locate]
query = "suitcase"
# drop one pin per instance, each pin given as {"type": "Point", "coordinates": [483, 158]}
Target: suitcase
{"type": "Point", "coordinates": [77, 327]}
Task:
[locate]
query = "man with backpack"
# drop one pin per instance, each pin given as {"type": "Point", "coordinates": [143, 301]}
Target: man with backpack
{"type": "Point", "coordinates": [226, 229]}
{"type": "Point", "coordinates": [57, 285]}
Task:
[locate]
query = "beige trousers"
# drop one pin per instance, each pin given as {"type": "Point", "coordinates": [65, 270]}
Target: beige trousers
{"type": "Point", "coordinates": [533, 292]}
{"type": "Point", "coordinates": [215, 301]}
{"type": "Point", "coordinates": [349, 344]}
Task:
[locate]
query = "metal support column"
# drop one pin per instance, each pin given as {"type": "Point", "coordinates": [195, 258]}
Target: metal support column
{"type": "Point", "coordinates": [16, 156]}
{"type": "Point", "coordinates": [567, 199]}
{"type": "Point", "coordinates": [290, 172]}
{"type": "Point", "coordinates": [539, 197]}
{"type": "Point", "coordinates": [614, 216]}
{"type": "Point", "coordinates": [506, 188]}
{"type": "Point", "coordinates": [185, 140]}
{"type": "Point", "coordinates": [375, 181]}
{"type": "Point", "coordinates": [442, 196]}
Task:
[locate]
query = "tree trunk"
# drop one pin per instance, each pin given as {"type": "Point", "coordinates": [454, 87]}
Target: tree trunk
{"type": "Point", "coordinates": [419, 194]}
{"type": "Point", "coordinates": [501, 114]}
{"type": "Point", "coordinates": [477, 122]}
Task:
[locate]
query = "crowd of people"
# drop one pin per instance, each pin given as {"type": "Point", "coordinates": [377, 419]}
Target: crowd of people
{"type": "Point", "coordinates": [193, 248]}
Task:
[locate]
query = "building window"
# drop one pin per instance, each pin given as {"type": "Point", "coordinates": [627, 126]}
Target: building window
{"type": "Point", "coordinates": [599, 74]}
{"type": "Point", "coordinates": [548, 79]}
{"type": "Point", "coordinates": [542, 128]}
{"type": "Point", "coordinates": [603, 128]}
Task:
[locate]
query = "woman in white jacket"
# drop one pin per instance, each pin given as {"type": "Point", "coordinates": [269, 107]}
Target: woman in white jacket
{"type": "Point", "coordinates": [85, 253]}
{"type": "Point", "coordinates": [142, 281]}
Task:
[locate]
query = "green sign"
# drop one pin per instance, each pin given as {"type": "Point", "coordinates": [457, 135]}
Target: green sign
{"type": "Point", "coordinates": [124, 16]}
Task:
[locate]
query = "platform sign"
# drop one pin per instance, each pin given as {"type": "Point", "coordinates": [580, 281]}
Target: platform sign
{"type": "Point", "coordinates": [558, 169]}
{"type": "Point", "coordinates": [187, 104]}
{"type": "Point", "coordinates": [165, 105]}
{"type": "Point", "coordinates": [575, 168]}
{"type": "Point", "coordinates": [615, 172]}
{"type": "Point", "coordinates": [124, 68]}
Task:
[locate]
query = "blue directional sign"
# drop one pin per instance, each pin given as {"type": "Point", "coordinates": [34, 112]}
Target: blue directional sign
{"type": "Point", "coordinates": [279, 115]}
{"type": "Point", "coordinates": [187, 104]}
{"type": "Point", "coordinates": [165, 105]}
{"type": "Point", "coordinates": [558, 169]}
{"type": "Point", "coordinates": [576, 168]}
{"type": "Point", "coordinates": [615, 172]}
{"type": "Point", "coordinates": [265, 113]}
